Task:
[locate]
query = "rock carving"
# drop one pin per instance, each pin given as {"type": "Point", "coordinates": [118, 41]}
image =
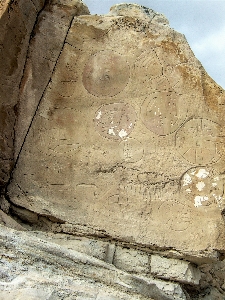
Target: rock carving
{"type": "Point", "coordinates": [106, 73]}
{"type": "Point", "coordinates": [112, 157]}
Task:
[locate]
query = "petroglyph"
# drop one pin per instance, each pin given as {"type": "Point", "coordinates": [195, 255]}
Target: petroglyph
{"type": "Point", "coordinates": [148, 65]}
{"type": "Point", "coordinates": [197, 141]}
{"type": "Point", "coordinates": [202, 187]}
{"type": "Point", "coordinates": [106, 73]}
{"type": "Point", "coordinates": [131, 150]}
{"type": "Point", "coordinates": [160, 112]}
{"type": "Point", "coordinates": [115, 121]}
{"type": "Point", "coordinates": [183, 213]}
{"type": "Point", "coordinates": [116, 131]}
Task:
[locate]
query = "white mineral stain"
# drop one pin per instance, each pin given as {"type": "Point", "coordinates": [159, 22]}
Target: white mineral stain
{"type": "Point", "coordinates": [214, 184]}
{"type": "Point", "coordinates": [111, 131]}
{"type": "Point", "coordinates": [188, 191]}
{"type": "Point", "coordinates": [200, 185]}
{"type": "Point", "coordinates": [99, 115]}
{"type": "Point", "coordinates": [187, 179]}
{"type": "Point", "coordinates": [218, 198]}
{"type": "Point", "coordinates": [122, 133]}
{"type": "Point", "coordinates": [202, 173]}
{"type": "Point", "coordinates": [199, 200]}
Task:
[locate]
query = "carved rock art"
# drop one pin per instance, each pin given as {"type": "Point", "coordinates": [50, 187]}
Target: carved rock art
{"type": "Point", "coordinates": [118, 176]}
{"type": "Point", "coordinates": [121, 134]}
{"type": "Point", "coordinates": [115, 120]}
{"type": "Point", "coordinates": [203, 186]}
{"type": "Point", "coordinates": [197, 141]}
{"type": "Point", "coordinates": [106, 73]}
{"type": "Point", "coordinates": [160, 112]}
{"type": "Point", "coordinates": [131, 150]}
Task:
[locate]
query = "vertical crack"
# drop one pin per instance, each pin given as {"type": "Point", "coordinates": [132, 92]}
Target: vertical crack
{"type": "Point", "coordinates": [50, 77]}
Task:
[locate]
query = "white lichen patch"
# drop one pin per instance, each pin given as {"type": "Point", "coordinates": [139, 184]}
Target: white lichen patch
{"type": "Point", "coordinates": [200, 185]}
{"type": "Point", "coordinates": [122, 133]}
{"type": "Point", "coordinates": [187, 179]}
{"type": "Point", "coordinates": [99, 115]}
{"type": "Point", "coordinates": [199, 200]}
{"type": "Point", "coordinates": [202, 173]}
{"type": "Point", "coordinates": [111, 131]}
{"type": "Point", "coordinates": [188, 191]}
{"type": "Point", "coordinates": [216, 178]}
{"type": "Point", "coordinates": [214, 184]}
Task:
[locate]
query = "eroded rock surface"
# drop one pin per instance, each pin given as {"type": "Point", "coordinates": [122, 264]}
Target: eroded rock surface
{"type": "Point", "coordinates": [115, 134]}
{"type": "Point", "coordinates": [126, 135]}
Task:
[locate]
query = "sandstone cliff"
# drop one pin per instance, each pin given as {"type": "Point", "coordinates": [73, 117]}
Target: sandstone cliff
{"type": "Point", "coordinates": [112, 157]}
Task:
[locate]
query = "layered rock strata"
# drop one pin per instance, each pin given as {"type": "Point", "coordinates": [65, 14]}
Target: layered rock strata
{"type": "Point", "coordinates": [112, 142]}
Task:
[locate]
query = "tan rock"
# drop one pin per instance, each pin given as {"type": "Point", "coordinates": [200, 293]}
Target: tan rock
{"type": "Point", "coordinates": [131, 260]}
{"type": "Point", "coordinates": [44, 49]}
{"type": "Point", "coordinates": [9, 222]}
{"type": "Point", "coordinates": [38, 269]}
{"type": "Point", "coordinates": [17, 19]}
{"type": "Point", "coordinates": [174, 269]}
{"type": "Point", "coordinates": [128, 137]}
{"type": "Point", "coordinates": [117, 133]}
{"type": "Point", "coordinates": [25, 71]}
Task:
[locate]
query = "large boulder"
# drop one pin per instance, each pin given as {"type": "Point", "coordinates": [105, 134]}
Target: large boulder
{"type": "Point", "coordinates": [112, 141]}
{"type": "Point", "coordinates": [128, 134]}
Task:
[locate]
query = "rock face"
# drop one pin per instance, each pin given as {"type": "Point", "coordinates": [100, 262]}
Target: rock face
{"type": "Point", "coordinates": [16, 24]}
{"type": "Point", "coordinates": [31, 39]}
{"type": "Point", "coordinates": [113, 131]}
{"type": "Point", "coordinates": [126, 134]}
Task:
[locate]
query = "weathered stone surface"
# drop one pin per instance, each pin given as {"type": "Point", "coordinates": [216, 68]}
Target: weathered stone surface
{"type": "Point", "coordinates": [17, 19]}
{"type": "Point", "coordinates": [9, 222]}
{"type": "Point", "coordinates": [130, 138]}
{"type": "Point", "coordinates": [119, 151]}
{"type": "Point", "coordinates": [131, 260]}
{"type": "Point", "coordinates": [174, 269]}
{"type": "Point", "coordinates": [4, 204]}
{"type": "Point", "coordinates": [25, 72]}
{"type": "Point", "coordinates": [30, 263]}
{"type": "Point", "coordinates": [45, 46]}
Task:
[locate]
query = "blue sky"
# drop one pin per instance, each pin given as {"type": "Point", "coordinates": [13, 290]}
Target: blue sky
{"type": "Point", "coordinates": [201, 21]}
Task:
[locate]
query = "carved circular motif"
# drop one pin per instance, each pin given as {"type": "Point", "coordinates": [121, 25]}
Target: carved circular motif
{"type": "Point", "coordinates": [203, 186]}
{"type": "Point", "coordinates": [115, 121]}
{"type": "Point", "coordinates": [131, 150]}
{"type": "Point", "coordinates": [196, 141]}
{"type": "Point", "coordinates": [106, 74]}
{"type": "Point", "coordinates": [148, 65]}
{"type": "Point", "coordinates": [159, 112]}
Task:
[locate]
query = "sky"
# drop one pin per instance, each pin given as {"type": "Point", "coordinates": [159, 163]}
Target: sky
{"type": "Point", "coordinates": [201, 21]}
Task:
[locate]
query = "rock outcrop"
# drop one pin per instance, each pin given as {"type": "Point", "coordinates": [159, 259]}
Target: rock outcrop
{"type": "Point", "coordinates": [112, 155]}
